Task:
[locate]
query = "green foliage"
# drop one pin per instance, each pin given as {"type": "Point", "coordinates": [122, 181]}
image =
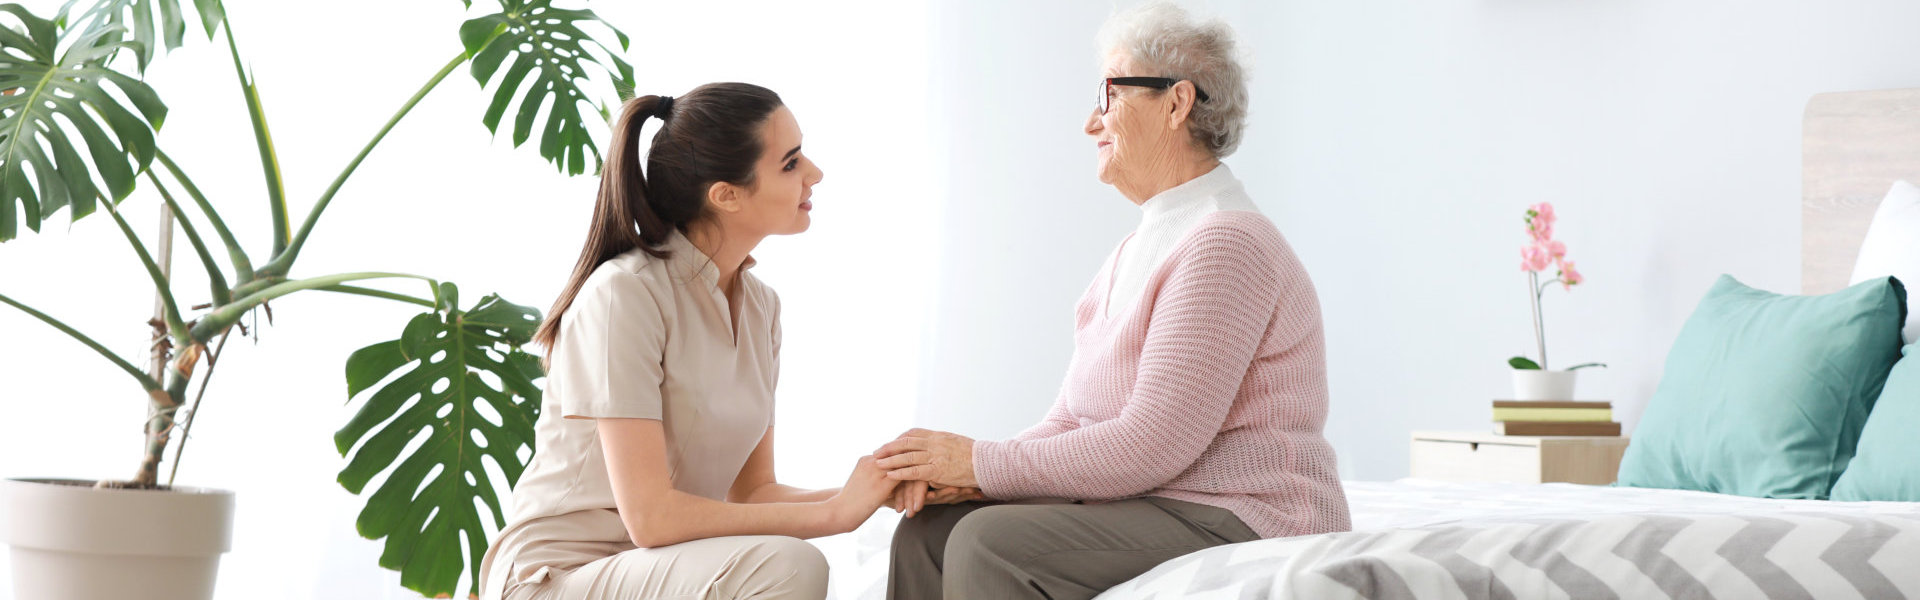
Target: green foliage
{"type": "Point", "coordinates": [137, 17]}
{"type": "Point", "coordinates": [1523, 363]}
{"type": "Point", "coordinates": [548, 44]}
{"type": "Point", "coordinates": [427, 501]}
{"type": "Point", "coordinates": [59, 95]}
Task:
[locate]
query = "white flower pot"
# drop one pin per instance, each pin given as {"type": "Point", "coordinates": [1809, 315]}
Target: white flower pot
{"type": "Point", "coordinates": [73, 542]}
{"type": "Point", "coordinates": [1535, 384]}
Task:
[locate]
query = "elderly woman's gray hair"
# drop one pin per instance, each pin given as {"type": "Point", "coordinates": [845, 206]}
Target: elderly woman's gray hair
{"type": "Point", "coordinates": [1164, 41]}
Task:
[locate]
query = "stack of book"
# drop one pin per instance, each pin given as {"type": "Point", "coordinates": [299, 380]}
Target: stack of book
{"type": "Point", "coordinates": [1545, 418]}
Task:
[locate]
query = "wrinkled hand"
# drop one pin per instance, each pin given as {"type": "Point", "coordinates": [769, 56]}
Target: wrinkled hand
{"type": "Point", "coordinates": [936, 457]}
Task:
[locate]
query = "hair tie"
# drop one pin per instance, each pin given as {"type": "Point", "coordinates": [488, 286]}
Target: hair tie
{"type": "Point", "coordinates": [663, 107]}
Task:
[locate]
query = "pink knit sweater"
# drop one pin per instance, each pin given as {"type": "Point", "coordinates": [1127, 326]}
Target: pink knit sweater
{"type": "Point", "coordinates": [1212, 389]}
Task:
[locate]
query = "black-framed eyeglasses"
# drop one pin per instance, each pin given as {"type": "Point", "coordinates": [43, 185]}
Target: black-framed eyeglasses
{"type": "Point", "coordinates": [1158, 83]}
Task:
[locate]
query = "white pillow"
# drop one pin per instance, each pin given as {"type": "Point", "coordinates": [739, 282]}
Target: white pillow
{"type": "Point", "coordinates": [1892, 248]}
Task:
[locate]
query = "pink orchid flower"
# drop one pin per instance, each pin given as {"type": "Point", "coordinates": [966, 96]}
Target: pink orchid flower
{"type": "Point", "coordinates": [1540, 231]}
{"type": "Point", "coordinates": [1534, 258]}
{"type": "Point", "coordinates": [1540, 220]}
{"type": "Point", "coordinates": [1554, 248]}
{"type": "Point", "coordinates": [1543, 212]}
{"type": "Point", "coordinates": [1568, 275]}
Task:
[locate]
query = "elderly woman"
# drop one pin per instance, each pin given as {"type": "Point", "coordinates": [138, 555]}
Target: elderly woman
{"type": "Point", "coordinates": [1193, 407]}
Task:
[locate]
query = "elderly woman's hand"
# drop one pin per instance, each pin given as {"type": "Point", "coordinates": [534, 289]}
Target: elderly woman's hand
{"type": "Point", "coordinates": [936, 457]}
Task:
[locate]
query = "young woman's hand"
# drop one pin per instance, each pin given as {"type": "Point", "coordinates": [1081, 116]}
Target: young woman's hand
{"type": "Point", "coordinates": [953, 495]}
{"type": "Point", "coordinates": [904, 497]}
{"type": "Point", "coordinates": [867, 489]}
{"type": "Point", "coordinates": [914, 496]}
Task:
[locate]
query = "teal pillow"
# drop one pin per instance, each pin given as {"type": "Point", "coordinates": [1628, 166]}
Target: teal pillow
{"type": "Point", "coordinates": [1764, 395]}
{"type": "Point", "coordinates": [1887, 464]}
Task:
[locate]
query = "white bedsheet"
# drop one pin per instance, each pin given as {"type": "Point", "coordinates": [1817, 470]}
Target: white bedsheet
{"type": "Point", "coordinates": [1427, 539]}
{"type": "Point", "coordinates": [859, 559]}
{"type": "Point", "coordinates": [1422, 502]}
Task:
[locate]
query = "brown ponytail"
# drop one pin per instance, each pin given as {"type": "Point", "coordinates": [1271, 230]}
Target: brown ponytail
{"type": "Point", "coordinates": [710, 135]}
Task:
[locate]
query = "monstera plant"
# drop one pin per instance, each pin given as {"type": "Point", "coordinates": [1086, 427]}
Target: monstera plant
{"type": "Point", "coordinates": [78, 132]}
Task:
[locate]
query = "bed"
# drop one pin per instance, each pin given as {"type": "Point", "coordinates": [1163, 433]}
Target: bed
{"type": "Point", "coordinates": [1426, 539]}
{"type": "Point", "coordinates": [1429, 539]}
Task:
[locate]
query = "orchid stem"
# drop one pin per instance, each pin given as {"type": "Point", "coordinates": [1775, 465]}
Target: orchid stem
{"type": "Point", "coordinates": [1539, 327]}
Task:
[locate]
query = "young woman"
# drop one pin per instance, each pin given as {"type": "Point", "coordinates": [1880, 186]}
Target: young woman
{"type": "Point", "coordinates": [654, 471]}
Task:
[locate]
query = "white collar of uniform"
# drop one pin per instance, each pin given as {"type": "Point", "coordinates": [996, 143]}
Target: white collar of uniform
{"type": "Point", "coordinates": [1184, 196]}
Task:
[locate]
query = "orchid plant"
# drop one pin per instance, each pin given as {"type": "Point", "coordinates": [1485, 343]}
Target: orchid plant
{"type": "Point", "coordinates": [1540, 253]}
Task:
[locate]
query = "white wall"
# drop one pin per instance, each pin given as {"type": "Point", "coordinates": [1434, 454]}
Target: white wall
{"type": "Point", "coordinates": [1396, 144]}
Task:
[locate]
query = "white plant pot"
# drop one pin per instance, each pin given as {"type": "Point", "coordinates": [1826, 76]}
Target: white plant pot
{"type": "Point", "coordinates": [73, 542]}
{"type": "Point", "coordinates": [1535, 384]}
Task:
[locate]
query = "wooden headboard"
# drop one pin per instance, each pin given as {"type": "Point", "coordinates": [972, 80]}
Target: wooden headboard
{"type": "Point", "coordinates": [1854, 145]}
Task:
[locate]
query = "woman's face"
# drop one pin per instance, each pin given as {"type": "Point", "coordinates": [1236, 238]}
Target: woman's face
{"type": "Point", "coordinates": [1134, 132]}
{"type": "Point", "coordinates": [778, 202]}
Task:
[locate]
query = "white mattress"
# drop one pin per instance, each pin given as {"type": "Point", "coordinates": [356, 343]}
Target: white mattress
{"type": "Point", "coordinates": [1421, 502]}
{"type": "Point", "coordinates": [1427, 539]}
{"type": "Point", "coordinates": [859, 559]}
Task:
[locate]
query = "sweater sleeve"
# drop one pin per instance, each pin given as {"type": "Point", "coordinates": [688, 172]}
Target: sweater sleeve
{"type": "Point", "coordinates": [1209, 317]}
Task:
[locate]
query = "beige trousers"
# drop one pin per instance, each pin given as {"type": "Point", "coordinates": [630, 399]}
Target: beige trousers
{"type": "Point", "coordinates": [760, 567]}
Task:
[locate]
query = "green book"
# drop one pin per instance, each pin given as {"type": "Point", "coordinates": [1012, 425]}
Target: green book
{"type": "Point", "coordinates": [1555, 415]}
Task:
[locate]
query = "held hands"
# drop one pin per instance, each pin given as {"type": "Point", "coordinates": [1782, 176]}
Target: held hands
{"type": "Point", "coordinates": [913, 496]}
{"type": "Point", "coordinates": [936, 466]}
{"type": "Point", "coordinates": [867, 489]}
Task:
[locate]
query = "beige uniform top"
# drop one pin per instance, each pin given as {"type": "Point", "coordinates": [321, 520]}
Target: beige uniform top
{"type": "Point", "coordinates": [645, 338]}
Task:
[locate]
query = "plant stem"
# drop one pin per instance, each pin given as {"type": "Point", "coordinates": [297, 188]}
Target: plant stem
{"type": "Point", "coordinates": [160, 351]}
{"type": "Point", "coordinates": [360, 291]}
{"type": "Point", "coordinates": [269, 160]}
{"type": "Point", "coordinates": [215, 279]}
{"type": "Point", "coordinates": [164, 405]}
{"type": "Point", "coordinates": [147, 383]}
{"type": "Point", "coordinates": [175, 326]}
{"type": "Point", "coordinates": [193, 413]}
{"type": "Point", "coordinates": [242, 266]}
{"type": "Point", "coordinates": [283, 262]}
{"type": "Point", "coordinates": [227, 315]}
{"type": "Point", "coordinates": [1542, 288]}
{"type": "Point", "coordinates": [1539, 327]}
{"type": "Point", "coordinates": [253, 287]}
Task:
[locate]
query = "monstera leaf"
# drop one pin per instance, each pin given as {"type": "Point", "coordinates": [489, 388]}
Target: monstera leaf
{"type": "Point", "coordinates": [428, 499]}
{"type": "Point", "coordinates": [138, 18]}
{"type": "Point", "coordinates": [549, 45]}
{"type": "Point", "coordinates": [41, 169]}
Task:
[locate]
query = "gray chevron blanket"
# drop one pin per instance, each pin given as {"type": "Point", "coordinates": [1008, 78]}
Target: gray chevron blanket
{"type": "Point", "coordinates": [1505, 541]}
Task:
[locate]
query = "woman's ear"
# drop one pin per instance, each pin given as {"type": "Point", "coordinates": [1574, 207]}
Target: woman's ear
{"type": "Point", "coordinates": [1183, 99]}
{"type": "Point", "coordinates": [724, 197]}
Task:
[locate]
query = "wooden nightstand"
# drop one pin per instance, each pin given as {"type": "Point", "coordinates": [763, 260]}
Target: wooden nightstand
{"type": "Point", "coordinates": [1479, 456]}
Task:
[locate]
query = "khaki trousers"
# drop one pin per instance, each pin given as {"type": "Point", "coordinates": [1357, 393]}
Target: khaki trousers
{"type": "Point", "coordinates": [1053, 551]}
{"type": "Point", "coordinates": [760, 567]}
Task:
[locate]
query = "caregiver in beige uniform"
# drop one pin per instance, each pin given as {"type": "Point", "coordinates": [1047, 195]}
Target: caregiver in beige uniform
{"type": "Point", "coordinates": [653, 475]}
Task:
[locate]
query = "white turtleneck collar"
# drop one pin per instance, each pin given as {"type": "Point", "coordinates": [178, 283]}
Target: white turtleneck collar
{"type": "Point", "coordinates": [1165, 219]}
{"type": "Point", "coordinates": [1186, 195]}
